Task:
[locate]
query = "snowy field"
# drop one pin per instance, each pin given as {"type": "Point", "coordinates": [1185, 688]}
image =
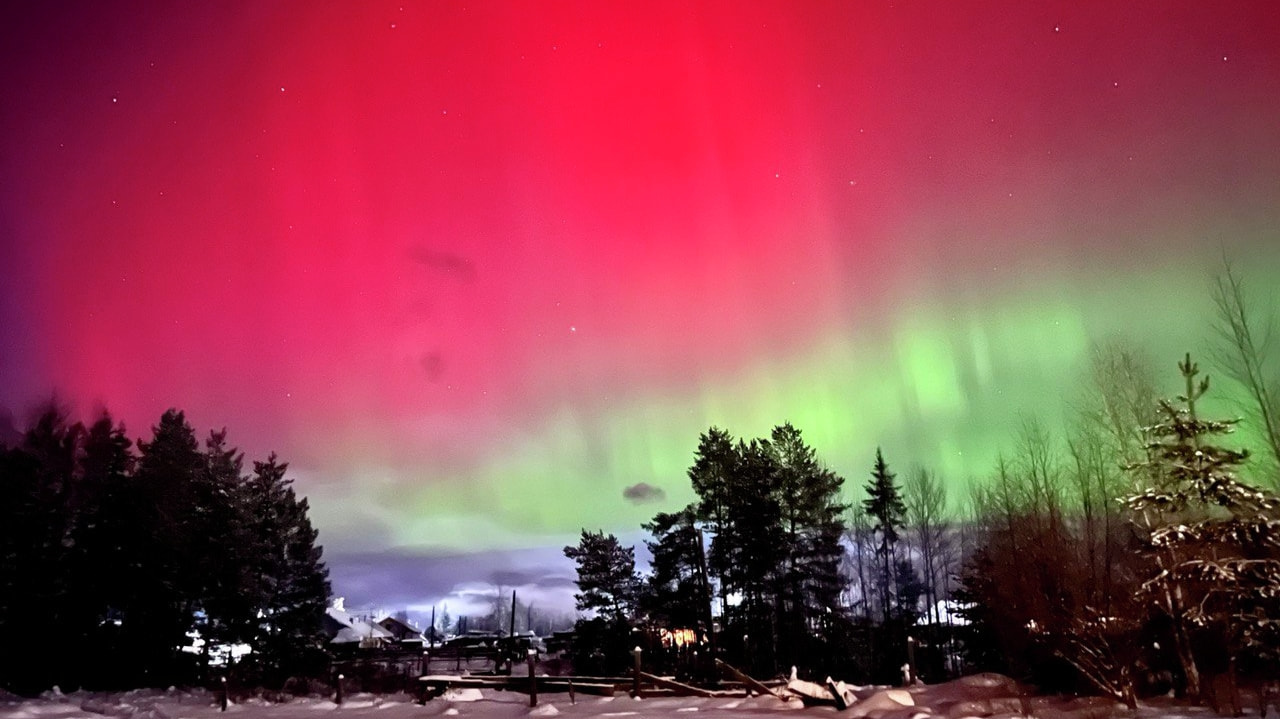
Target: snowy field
{"type": "Point", "coordinates": [954, 700]}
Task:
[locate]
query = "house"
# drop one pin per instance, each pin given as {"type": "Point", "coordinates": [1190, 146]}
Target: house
{"type": "Point", "coordinates": [346, 629]}
{"type": "Point", "coordinates": [404, 633]}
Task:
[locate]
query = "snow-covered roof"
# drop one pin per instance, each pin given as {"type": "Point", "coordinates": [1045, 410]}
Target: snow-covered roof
{"type": "Point", "coordinates": [352, 629]}
{"type": "Point", "coordinates": [401, 629]}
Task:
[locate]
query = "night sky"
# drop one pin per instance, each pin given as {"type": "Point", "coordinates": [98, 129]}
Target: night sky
{"type": "Point", "coordinates": [481, 272]}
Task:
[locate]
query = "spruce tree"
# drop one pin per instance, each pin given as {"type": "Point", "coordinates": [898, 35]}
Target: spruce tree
{"type": "Point", "coordinates": [164, 579]}
{"type": "Point", "coordinates": [290, 583]}
{"type": "Point", "coordinates": [885, 506]}
{"type": "Point", "coordinates": [221, 549]}
{"type": "Point", "coordinates": [1214, 539]}
{"type": "Point", "coordinates": [908, 590]}
{"type": "Point", "coordinates": [103, 559]}
{"type": "Point", "coordinates": [37, 522]}
{"type": "Point", "coordinates": [125, 553]}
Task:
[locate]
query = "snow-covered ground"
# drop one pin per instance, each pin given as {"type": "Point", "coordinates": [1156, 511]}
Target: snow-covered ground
{"type": "Point", "coordinates": [952, 700]}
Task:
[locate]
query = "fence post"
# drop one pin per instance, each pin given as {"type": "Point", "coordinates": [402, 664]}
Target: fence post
{"type": "Point", "coordinates": [911, 660]}
{"type": "Point", "coordinates": [338, 697]}
{"type": "Point", "coordinates": [223, 699]}
{"type": "Point", "coordinates": [533, 683]}
{"type": "Point", "coordinates": [635, 682]}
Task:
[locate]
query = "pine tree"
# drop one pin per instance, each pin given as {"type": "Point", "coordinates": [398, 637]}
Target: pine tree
{"type": "Point", "coordinates": [808, 498]}
{"type": "Point", "coordinates": [712, 475]}
{"type": "Point", "coordinates": [221, 549]}
{"type": "Point", "coordinates": [127, 554]}
{"type": "Point", "coordinates": [985, 629]}
{"type": "Point", "coordinates": [885, 506]}
{"type": "Point", "coordinates": [677, 591]}
{"type": "Point", "coordinates": [1214, 538]}
{"type": "Point", "coordinates": [292, 582]}
{"type": "Point", "coordinates": [752, 547]}
{"type": "Point", "coordinates": [607, 580]}
{"type": "Point", "coordinates": [736, 484]}
{"type": "Point", "coordinates": [103, 559]}
{"type": "Point", "coordinates": [38, 514]}
{"type": "Point", "coordinates": [607, 585]}
{"type": "Point", "coordinates": [908, 590]}
{"type": "Point", "coordinates": [163, 544]}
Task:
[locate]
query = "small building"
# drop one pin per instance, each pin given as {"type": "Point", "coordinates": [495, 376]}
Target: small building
{"type": "Point", "coordinates": [404, 633]}
{"type": "Point", "coordinates": [345, 629]}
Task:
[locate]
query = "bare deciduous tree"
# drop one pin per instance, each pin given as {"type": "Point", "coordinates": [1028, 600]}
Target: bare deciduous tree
{"type": "Point", "coordinates": [1118, 401]}
{"type": "Point", "coordinates": [926, 500]}
{"type": "Point", "coordinates": [1121, 398]}
{"type": "Point", "coordinates": [1243, 353]}
{"type": "Point", "coordinates": [862, 550]}
{"type": "Point", "coordinates": [1038, 468]}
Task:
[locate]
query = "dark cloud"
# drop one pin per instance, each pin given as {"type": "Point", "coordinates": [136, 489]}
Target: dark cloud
{"type": "Point", "coordinates": [433, 364]}
{"type": "Point", "coordinates": [463, 582]}
{"type": "Point", "coordinates": [402, 578]}
{"type": "Point", "coordinates": [536, 577]}
{"type": "Point", "coordinates": [643, 493]}
{"type": "Point", "coordinates": [447, 263]}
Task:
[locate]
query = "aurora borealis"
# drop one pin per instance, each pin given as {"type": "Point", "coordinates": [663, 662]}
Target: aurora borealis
{"type": "Point", "coordinates": [482, 272]}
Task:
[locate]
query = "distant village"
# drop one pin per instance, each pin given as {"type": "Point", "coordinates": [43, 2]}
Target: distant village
{"type": "Point", "coordinates": [394, 642]}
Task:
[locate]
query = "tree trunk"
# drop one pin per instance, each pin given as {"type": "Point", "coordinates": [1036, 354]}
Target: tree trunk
{"type": "Point", "coordinates": [1182, 644]}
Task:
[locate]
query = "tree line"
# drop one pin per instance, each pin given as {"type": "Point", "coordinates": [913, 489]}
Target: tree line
{"type": "Point", "coordinates": [1122, 554]}
{"type": "Point", "coordinates": [114, 556]}
{"type": "Point", "coordinates": [506, 613]}
{"type": "Point", "coordinates": [759, 566]}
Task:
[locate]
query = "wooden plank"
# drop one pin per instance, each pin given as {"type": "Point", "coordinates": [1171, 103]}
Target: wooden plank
{"type": "Point", "coordinates": [811, 693]}
{"type": "Point", "coordinates": [750, 682]}
{"type": "Point", "coordinates": [561, 684]}
{"type": "Point", "coordinates": [729, 694]}
{"type": "Point", "coordinates": [466, 682]}
{"type": "Point", "coordinates": [838, 693]}
{"type": "Point", "coordinates": [436, 684]}
{"type": "Point", "coordinates": [680, 688]}
{"type": "Point", "coordinates": [602, 690]}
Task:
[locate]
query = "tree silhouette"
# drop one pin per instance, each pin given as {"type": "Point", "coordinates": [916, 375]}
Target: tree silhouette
{"type": "Point", "coordinates": [607, 580]}
{"type": "Point", "coordinates": [885, 506]}
{"type": "Point", "coordinates": [128, 553]}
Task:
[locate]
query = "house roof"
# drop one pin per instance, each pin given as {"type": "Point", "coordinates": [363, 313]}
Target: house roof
{"type": "Point", "coordinates": [402, 630]}
{"type": "Point", "coordinates": [347, 628]}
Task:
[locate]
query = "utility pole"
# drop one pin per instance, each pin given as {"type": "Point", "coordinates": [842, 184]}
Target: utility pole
{"type": "Point", "coordinates": [706, 593]}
